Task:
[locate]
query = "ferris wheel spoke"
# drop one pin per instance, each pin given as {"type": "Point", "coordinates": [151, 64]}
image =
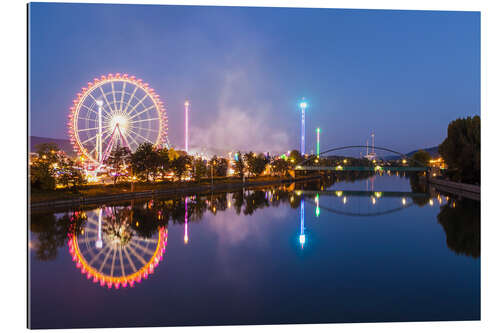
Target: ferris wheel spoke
{"type": "Point", "coordinates": [88, 119]}
{"type": "Point", "coordinates": [136, 105]}
{"type": "Point", "coordinates": [123, 94]}
{"type": "Point", "coordinates": [91, 239]}
{"type": "Point", "coordinates": [131, 262]}
{"type": "Point", "coordinates": [141, 259]}
{"type": "Point", "coordinates": [110, 132]}
{"type": "Point", "coordinates": [121, 262]}
{"type": "Point", "coordinates": [143, 248]}
{"type": "Point", "coordinates": [130, 136]}
{"type": "Point", "coordinates": [101, 251]}
{"type": "Point", "coordinates": [145, 110]}
{"type": "Point", "coordinates": [91, 129]}
{"type": "Point", "coordinates": [90, 109]}
{"type": "Point", "coordinates": [114, 94]}
{"type": "Point", "coordinates": [143, 120]}
{"type": "Point", "coordinates": [151, 241]}
{"type": "Point", "coordinates": [106, 99]}
{"type": "Point", "coordinates": [113, 262]}
{"type": "Point", "coordinates": [95, 136]}
{"type": "Point", "coordinates": [107, 115]}
{"type": "Point", "coordinates": [105, 259]}
{"type": "Point", "coordinates": [140, 136]}
{"type": "Point", "coordinates": [92, 137]}
{"type": "Point", "coordinates": [139, 128]}
{"type": "Point", "coordinates": [130, 99]}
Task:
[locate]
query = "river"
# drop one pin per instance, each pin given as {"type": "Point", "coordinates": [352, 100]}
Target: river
{"type": "Point", "coordinates": [358, 250]}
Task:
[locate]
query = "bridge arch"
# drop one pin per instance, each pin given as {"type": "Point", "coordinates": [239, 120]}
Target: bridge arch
{"type": "Point", "coordinates": [360, 146]}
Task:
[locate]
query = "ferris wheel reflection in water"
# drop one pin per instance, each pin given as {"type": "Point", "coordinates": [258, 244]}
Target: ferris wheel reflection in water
{"type": "Point", "coordinates": [110, 252]}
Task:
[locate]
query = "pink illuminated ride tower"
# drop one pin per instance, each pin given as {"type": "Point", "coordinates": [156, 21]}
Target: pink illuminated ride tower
{"type": "Point", "coordinates": [186, 133]}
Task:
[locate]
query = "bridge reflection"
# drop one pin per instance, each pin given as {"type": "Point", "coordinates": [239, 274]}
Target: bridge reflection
{"type": "Point", "coordinates": [313, 197]}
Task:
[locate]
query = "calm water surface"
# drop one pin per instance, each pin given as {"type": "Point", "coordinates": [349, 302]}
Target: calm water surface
{"type": "Point", "coordinates": [362, 251]}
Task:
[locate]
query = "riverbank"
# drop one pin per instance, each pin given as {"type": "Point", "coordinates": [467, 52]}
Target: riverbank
{"type": "Point", "coordinates": [468, 191]}
{"type": "Point", "coordinates": [108, 193]}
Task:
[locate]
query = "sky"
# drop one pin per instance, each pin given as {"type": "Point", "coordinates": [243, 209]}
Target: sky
{"type": "Point", "coordinates": [402, 74]}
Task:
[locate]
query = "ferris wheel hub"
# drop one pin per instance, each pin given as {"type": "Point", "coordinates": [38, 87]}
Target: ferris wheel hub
{"type": "Point", "coordinates": [120, 120]}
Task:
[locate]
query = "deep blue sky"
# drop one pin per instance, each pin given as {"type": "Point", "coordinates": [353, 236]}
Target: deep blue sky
{"type": "Point", "coordinates": [403, 74]}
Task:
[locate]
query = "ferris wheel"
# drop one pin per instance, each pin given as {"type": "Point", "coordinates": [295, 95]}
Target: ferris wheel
{"type": "Point", "coordinates": [115, 109]}
{"type": "Point", "coordinates": [110, 253]}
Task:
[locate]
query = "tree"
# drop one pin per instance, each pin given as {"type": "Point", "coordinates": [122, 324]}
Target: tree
{"type": "Point", "coordinates": [280, 166]}
{"type": "Point", "coordinates": [461, 150]}
{"type": "Point", "coordinates": [239, 165]}
{"type": "Point", "coordinates": [220, 166]}
{"type": "Point", "coordinates": [199, 169]}
{"type": "Point", "coordinates": [42, 168]}
{"type": "Point", "coordinates": [42, 175]}
{"type": "Point", "coordinates": [164, 164]}
{"type": "Point", "coordinates": [69, 174]}
{"type": "Point", "coordinates": [52, 232]}
{"type": "Point", "coordinates": [462, 224]}
{"type": "Point", "coordinates": [118, 159]}
{"type": "Point", "coordinates": [295, 157]}
{"type": "Point", "coordinates": [145, 161]}
{"type": "Point", "coordinates": [422, 157]}
{"type": "Point", "coordinates": [180, 165]}
{"type": "Point", "coordinates": [48, 152]}
{"type": "Point", "coordinates": [256, 163]}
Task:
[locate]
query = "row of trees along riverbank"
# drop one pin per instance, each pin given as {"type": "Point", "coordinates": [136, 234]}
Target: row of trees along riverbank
{"type": "Point", "coordinates": [53, 175]}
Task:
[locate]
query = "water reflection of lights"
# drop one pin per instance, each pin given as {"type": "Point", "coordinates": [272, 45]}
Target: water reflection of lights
{"type": "Point", "coordinates": [374, 201]}
{"type": "Point", "coordinates": [302, 237]}
{"type": "Point", "coordinates": [431, 202]}
{"type": "Point", "coordinates": [186, 237]}
{"type": "Point", "coordinates": [123, 259]}
{"type": "Point", "coordinates": [344, 200]}
{"type": "Point", "coordinates": [403, 201]}
{"type": "Point", "coordinates": [316, 199]}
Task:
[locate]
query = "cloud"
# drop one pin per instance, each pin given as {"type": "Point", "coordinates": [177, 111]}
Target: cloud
{"type": "Point", "coordinates": [242, 120]}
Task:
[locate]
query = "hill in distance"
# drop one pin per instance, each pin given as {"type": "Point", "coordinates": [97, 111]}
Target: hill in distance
{"type": "Point", "coordinates": [64, 145]}
{"type": "Point", "coordinates": [433, 151]}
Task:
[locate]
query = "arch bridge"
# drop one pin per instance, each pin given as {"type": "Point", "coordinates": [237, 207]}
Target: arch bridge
{"type": "Point", "coordinates": [302, 166]}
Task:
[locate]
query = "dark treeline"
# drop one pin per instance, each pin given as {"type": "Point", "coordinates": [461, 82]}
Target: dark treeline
{"type": "Point", "coordinates": [461, 221]}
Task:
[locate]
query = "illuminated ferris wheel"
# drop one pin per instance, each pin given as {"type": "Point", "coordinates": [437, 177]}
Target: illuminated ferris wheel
{"type": "Point", "coordinates": [109, 251]}
{"type": "Point", "coordinates": [115, 109]}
